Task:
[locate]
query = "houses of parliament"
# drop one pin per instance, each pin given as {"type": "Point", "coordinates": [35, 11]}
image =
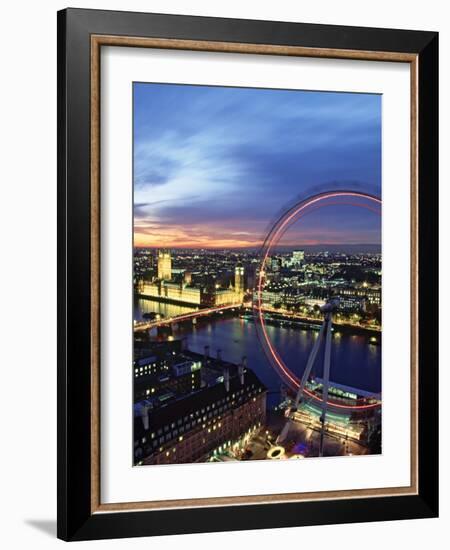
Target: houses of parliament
{"type": "Point", "coordinates": [183, 290]}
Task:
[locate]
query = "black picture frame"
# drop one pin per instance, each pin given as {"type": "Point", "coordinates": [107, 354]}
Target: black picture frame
{"type": "Point", "coordinates": [75, 518]}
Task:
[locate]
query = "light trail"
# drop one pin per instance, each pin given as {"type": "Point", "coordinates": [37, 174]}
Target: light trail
{"type": "Point", "coordinates": [294, 214]}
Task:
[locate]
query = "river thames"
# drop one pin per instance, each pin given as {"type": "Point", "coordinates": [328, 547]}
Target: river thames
{"type": "Point", "coordinates": [354, 361]}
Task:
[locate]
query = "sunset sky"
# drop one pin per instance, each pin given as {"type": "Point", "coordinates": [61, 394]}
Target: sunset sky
{"type": "Point", "coordinates": [214, 167]}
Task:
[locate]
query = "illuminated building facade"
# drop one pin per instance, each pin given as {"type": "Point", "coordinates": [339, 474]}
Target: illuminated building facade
{"type": "Point", "coordinates": [298, 257]}
{"type": "Point", "coordinates": [228, 296]}
{"type": "Point", "coordinates": [239, 279]}
{"type": "Point", "coordinates": [224, 297]}
{"type": "Point", "coordinates": [371, 293]}
{"type": "Point", "coordinates": [164, 264]}
{"type": "Point", "coordinates": [374, 295]}
{"type": "Point", "coordinates": [343, 423]}
{"type": "Point", "coordinates": [275, 264]}
{"type": "Point", "coordinates": [352, 302]}
{"type": "Point", "coordinates": [186, 430]}
{"type": "Point", "coordinates": [181, 293]}
{"type": "Point", "coordinates": [182, 290]}
{"type": "Point", "coordinates": [166, 371]}
{"type": "Point", "coordinates": [177, 379]}
{"type": "Point", "coordinates": [271, 297]}
{"type": "Point", "coordinates": [173, 292]}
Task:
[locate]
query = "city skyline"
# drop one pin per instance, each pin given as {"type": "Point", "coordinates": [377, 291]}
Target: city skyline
{"type": "Point", "coordinates": [217, 360]}
{"type": "Point", "coordinates": [257, 274]}
{"type": "Point", "coordinates": [204, 156]}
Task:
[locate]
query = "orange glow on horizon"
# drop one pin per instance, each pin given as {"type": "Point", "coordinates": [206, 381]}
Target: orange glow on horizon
{"type": "Point", "coordinates": [146, 241]}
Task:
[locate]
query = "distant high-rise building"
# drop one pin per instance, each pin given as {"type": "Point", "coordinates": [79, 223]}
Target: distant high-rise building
{"type": "Point", "coordinates": [275, 264]}
{"type": "Point", "coordinates": [239, 279]}
{"type": "Point", "coordinates": [164, 264]}
{"type": "Point", "coordinates": [298, 257]}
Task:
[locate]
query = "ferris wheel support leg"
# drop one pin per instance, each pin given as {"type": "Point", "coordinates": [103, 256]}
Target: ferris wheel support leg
{"type": "Point", "coordinates": [309, 365]}
{"type": "Point", "coordinates": [326, 380]}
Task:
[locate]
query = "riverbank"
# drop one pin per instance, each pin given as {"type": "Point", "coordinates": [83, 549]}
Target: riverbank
{"type": "Point", "coordinates": [290, 321]}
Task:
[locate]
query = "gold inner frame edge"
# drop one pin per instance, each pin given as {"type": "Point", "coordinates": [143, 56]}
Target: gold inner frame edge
{"type": "Point", "coordinates": [97, 41]}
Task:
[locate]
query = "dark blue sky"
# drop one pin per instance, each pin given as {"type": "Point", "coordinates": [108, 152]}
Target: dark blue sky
{"type": "Point", "coordinates": [214, 166]}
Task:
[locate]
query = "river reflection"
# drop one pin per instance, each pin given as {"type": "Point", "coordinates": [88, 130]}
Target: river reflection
{"type": "Point", "coordinates": [354, 361]}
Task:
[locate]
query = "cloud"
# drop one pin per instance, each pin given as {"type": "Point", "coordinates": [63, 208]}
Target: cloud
{"type": "Point", "coordinates": [230, 158]}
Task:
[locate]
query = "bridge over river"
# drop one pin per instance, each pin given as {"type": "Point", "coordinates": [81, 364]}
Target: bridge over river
{"type": "Point", "coordinates": [140, 326]}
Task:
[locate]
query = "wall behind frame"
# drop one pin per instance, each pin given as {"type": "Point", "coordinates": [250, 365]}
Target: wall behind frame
{"type": "Point", "coordinates": [28, 275]}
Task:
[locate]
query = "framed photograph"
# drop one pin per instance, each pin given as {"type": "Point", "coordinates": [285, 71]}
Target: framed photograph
{"type": "Point", "coordinates": [247, 274]}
